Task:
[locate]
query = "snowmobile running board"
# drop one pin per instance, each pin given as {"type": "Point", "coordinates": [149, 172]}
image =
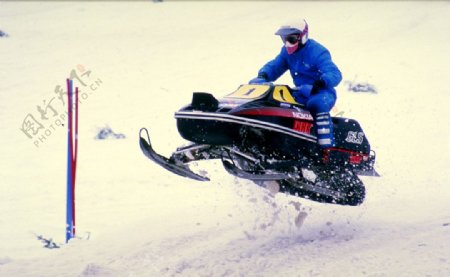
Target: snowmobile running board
{"type": "Point", "coordinates": [166, 163]}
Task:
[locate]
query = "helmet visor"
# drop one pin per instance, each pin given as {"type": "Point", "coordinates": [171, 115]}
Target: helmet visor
{"type": "Point", "coordinates": [287, 30]}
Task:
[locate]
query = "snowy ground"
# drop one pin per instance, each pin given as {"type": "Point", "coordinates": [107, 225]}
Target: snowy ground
{"type": "Point", "coordinates": [145, 59]}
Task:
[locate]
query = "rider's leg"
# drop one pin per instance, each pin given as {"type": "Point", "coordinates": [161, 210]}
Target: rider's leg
{"type": "Point", "coordinates": [320, 106]}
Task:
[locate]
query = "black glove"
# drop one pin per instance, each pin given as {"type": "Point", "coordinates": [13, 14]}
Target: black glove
{"type": "Point", "coordinates": [318, 85]}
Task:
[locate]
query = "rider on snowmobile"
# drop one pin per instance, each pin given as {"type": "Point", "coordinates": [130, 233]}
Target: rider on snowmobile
{"type": "Point", "coordinates": [313, 72]}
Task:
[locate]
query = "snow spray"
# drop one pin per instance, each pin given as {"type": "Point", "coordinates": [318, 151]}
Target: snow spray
{"type": "Point", "coordinates": [72, 150]}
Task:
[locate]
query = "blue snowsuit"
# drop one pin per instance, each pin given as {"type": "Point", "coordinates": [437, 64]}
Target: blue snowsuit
{"type": "Point", "coordinates": [308, 64]}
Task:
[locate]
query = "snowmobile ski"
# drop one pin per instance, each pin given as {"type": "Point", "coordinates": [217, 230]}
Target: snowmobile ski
{"type": "Point", "coordinates": [181, 170]}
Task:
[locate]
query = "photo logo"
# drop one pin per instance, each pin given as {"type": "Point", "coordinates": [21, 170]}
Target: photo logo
{"type": "Point", "coordinates": [40, 124]}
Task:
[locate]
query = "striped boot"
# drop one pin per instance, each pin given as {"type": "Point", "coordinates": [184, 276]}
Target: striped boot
{"type": "Point", "coordinates": [324, 130]}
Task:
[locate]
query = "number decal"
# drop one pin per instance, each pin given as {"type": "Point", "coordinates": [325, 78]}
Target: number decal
{"type": "Point", "coordinates": [282, 94]}
{"type": "Point", "coordinates": [355, 137]}
{"type": "Point", "coordinates": [249, 92]}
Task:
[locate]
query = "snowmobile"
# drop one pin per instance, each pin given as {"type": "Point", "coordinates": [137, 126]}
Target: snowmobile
{"type": "Point", "coordinates": [261, 133]}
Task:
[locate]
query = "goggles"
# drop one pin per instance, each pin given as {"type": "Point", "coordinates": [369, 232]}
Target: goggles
{"type": "Point", "coordinates": [292, 39]}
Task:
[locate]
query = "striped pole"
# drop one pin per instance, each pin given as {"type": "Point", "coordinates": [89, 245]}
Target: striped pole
{"type": "Point", "coordinates": [72, 151]}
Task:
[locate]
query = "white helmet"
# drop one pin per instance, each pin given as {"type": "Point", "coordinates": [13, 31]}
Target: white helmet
{"type": "Point", "coordinates": [296, 28]}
